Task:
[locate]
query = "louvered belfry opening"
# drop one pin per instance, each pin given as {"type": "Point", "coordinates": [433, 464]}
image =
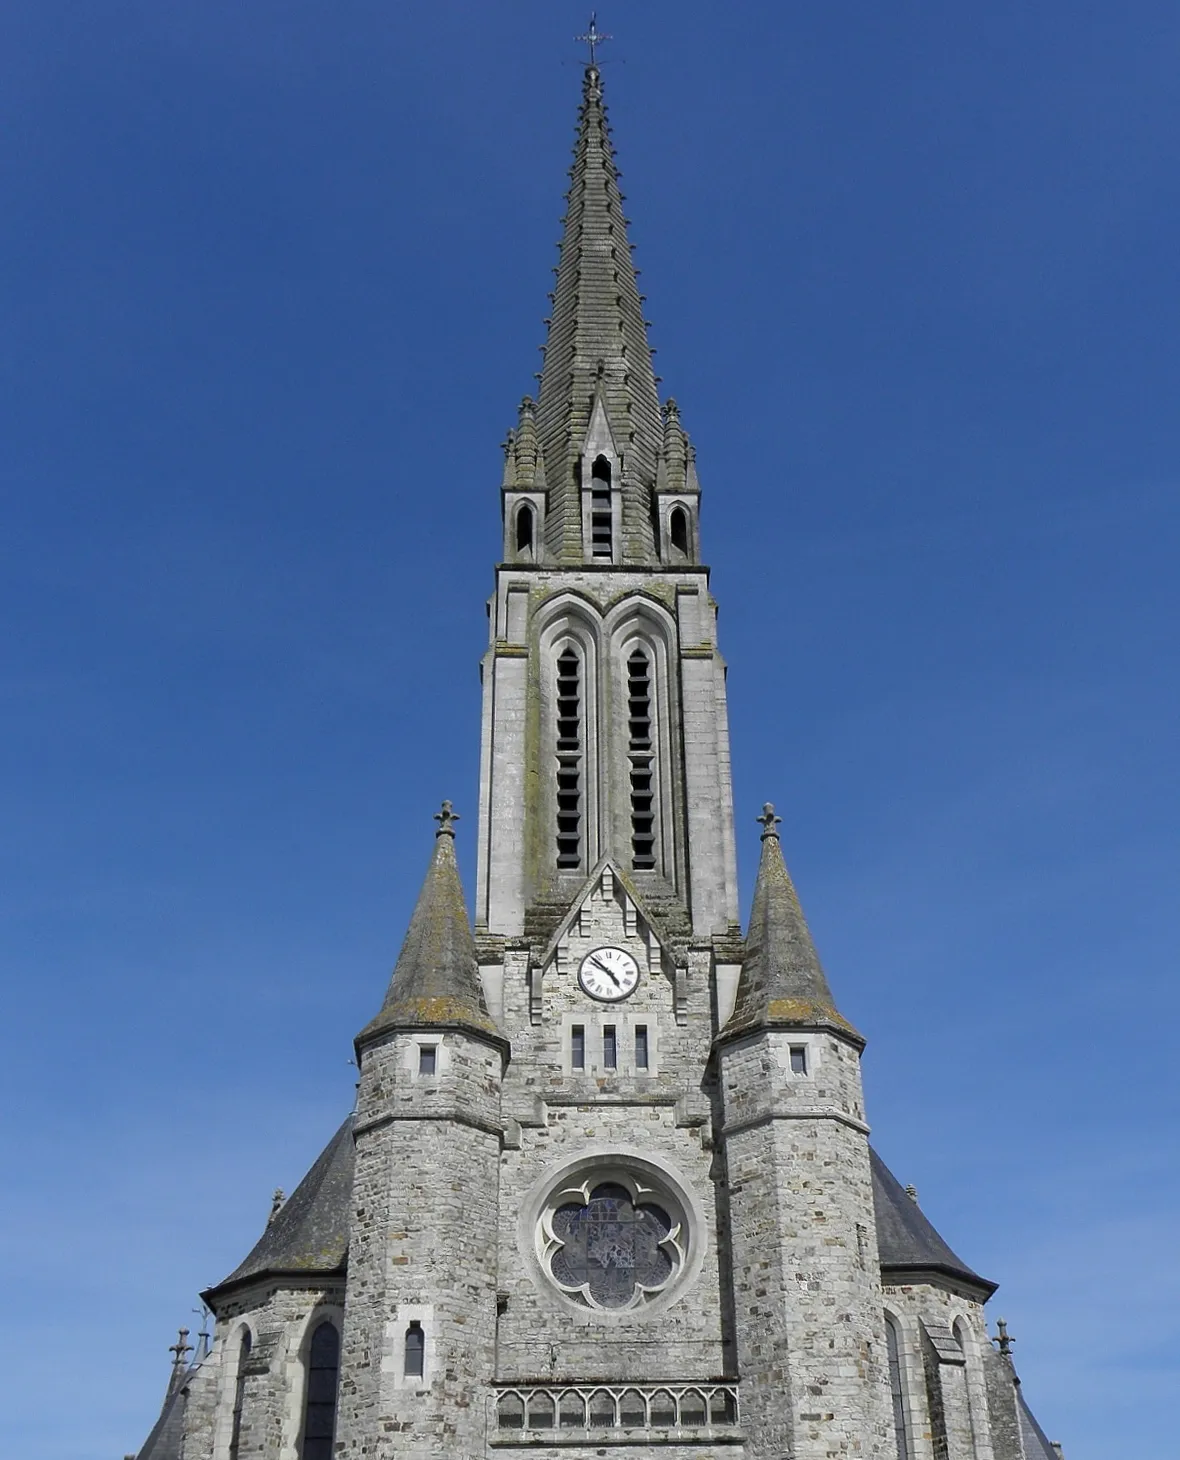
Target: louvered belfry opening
{"type": "Point", "coordinates": [569, 759]}
{"type": "Point", "coordinates": [641, 756]}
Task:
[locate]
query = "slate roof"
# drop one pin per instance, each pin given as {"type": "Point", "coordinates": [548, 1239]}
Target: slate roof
{"type": "Point", "coordinates": [910, 1248]}
{"type": "Point", "coordinates": [310, 1232]}
{"type": "Point", "coordinates": [166, 1441]}
{"type": "Point", "coordinates": [1037, 1446]}
{"type": "Point", "coordinates": [782, 981]}
{"type": "Point", "coordinates": [436, 979]}
{"type": "Point", "coordinates": [597, 346]}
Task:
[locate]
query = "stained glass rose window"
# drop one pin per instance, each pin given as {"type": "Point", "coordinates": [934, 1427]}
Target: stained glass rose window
{"type": "Point", "coordinates": [613, 1242]}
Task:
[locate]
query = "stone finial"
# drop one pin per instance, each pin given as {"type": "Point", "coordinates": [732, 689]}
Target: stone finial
{"type": "Point", "coordinates": [180, 1351]}
{"type": "Point", "coordinates": [446, 819]}
{"type": "Point", "coordinates": [1003, 1339]}
{"type": "Point", "coordinates": [276, 1204]}
{"type": "Point", "coordinates": [769, 821]}
{"type": "Point", "coordinates": [912, 1192]}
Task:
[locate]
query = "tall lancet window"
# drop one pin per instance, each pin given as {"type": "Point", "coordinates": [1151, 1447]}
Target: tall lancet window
{"type": "Point", "coordinates": [641, 760]}
{"type": "Point", "coordinates": [569, 759]}
{"type": "Point", "coordinates": [235, 1434]}
{"type": "Point", "coordinates": [602, 536]}
{"type": "Point", "coordinates": [323, 1374]}
{"type": "Point", "coordinates": [893, 1343]}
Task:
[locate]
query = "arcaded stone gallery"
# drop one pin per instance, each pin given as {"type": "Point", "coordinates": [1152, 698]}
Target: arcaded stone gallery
{"type": "Point", "coordinates": [608, 1184]}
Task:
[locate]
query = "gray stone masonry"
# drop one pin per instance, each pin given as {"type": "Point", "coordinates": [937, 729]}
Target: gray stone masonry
{"type": "Point", "coordinates": [279, 1315]}
{"type": "Point", "coordinates": [422, 1248]}
{"type": "Point", "coordinates": [603, 611]}
{"type": "Point", "coordinates": [806, 1279]}
{"type": "Point", "coordinates": [953, 1364]}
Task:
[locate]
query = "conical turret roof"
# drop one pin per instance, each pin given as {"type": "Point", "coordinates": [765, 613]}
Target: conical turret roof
{"type": "Point", "coordinates": [782, 981]}
{"type": "Point", "coordinates": [597, 349]}
{"type": "Point", "coordinates": [436, 978]}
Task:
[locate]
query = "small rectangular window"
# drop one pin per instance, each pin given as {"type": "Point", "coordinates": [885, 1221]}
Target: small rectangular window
{"type": "Point", "coordinates": [610, 1048]}
{"type": "Point", "coordinates": [415, 1351]}
{"type": "Point", "coordinates": [798, 1059]}
{"type": "Point", "coordinates": [578, 1047]}
{"type": "Point", "coordinates": [427, 1059]}
{"type": "Point", "coordinates": [641, 1046]}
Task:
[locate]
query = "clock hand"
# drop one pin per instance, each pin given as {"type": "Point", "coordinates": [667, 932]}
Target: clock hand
{"type": "Point", "coordinates": [605, 970]}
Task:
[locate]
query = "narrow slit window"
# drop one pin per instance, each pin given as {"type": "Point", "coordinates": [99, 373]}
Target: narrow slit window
{"type": "Point", "coordinates": [427, 1059]}
{"type": "Point", "coordinates": [235, 1439]}
{"type": "Point", "coordinates": [569, 759]}
{"type": "Point", "coordinates": [641, 761]}
{"type": "Point", "coordinates": [896, 1392]}
{"type": "Point", "coordinates": [610, 1048]}
{"type": "Point", "coordinates": [323, 1375]}
{"type": "Point", "coordinates": [641, 1046]}
{"type": "Point", "coordinates": [415, 1351]}
{"type": "Point", "coordinates": [578, 1047]}
{"type": "Point", "coordinates": [678, 526]}
{"type": "Point", "coordinates": [798, 1059]}
{"type": "Point", "coordinates": [524, 530]}
{"type": "Point", "coordinates": [601, 511]}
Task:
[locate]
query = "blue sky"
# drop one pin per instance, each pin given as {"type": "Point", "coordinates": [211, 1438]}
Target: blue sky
{"type": "Point", "coordinates": [273, 277]}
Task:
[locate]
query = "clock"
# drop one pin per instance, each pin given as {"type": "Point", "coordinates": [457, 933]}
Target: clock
{"type": "Point", "coordinates": [608, 973]}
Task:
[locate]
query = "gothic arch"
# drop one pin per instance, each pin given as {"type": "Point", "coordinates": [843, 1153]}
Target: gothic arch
{"type": "Point", "coordinates": [964, 1331]}
{"type": "Point", "coordinates": [639, 624]}
{"type": "Point", "coordinates": [570, 622]}
{"type": "Point", "coordinates": [900, 1389]}
{"type": "Point", "coordinates": [239, 1346]}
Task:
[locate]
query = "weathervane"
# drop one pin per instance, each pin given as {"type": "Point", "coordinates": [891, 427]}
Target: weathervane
{"type": "Point", "coordinates": [594, 38]}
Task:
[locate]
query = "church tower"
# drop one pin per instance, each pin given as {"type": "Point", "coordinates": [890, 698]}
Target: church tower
{"type": "Point", "coordinates": [608, 1184]}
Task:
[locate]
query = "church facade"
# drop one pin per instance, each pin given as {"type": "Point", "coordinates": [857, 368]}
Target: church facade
{"type": "Point", "coordinates": [608, 1184]}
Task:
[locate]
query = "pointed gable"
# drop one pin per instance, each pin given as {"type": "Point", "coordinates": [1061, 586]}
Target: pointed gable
{"type": "Point", "coordinates": [436, 979]}
{"type": "Point", "coordinates": [782, 981]}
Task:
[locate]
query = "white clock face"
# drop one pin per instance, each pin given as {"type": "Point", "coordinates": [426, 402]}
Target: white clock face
{"type": "Point", "coordinates": [608, 973]}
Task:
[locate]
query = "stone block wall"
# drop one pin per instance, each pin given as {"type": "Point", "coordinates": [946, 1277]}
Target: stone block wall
{"type": "Point", "coordinates": [806, 1275]}
{"type": "Point", "coordinates": [422, 1248]}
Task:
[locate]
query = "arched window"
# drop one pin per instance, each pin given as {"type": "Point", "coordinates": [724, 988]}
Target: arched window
{"type": "Point", "coordinates": [678, 530]}
{"type": "Point", "coordinates": [896, 1391]}
{"type": "Point", "coordinates": [235, 1437]}
{"type": "Point", "coordinates": [960, 1332]}
{"type": "Point", "coordinates": [601, 515]}
{"type": "Point", "coordinates": [569, 750]}
{"type": "Point", "coordinates": [641, 760]}
{"type": "Point", "coordinates": [323, 1374]}
{"type": "Point", "coordinates": [415, 1351]}
{"type": "Point", "coordinates": [525, 525]}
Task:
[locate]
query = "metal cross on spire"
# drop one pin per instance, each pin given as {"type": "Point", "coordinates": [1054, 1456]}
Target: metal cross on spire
{"type": "Point", "coordinates": [594, 38]}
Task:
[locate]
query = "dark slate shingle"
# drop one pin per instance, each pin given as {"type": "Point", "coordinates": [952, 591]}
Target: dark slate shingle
{"type": "Point", "coordinates": [909, 1245]}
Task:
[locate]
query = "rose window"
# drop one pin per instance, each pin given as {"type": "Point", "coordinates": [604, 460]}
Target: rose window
{"type": "Point", "coordinates": [612, 1243]}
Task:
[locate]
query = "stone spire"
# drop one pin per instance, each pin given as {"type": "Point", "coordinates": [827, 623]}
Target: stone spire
{"type": "Point", "coordinates": [597, 348]}
{"type": "Point", "coordinates": [782, 982]}
{"type": "Point", "coordinates": [436, 979]}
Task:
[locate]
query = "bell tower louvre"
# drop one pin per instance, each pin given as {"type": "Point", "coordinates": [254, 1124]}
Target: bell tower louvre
{"type": "Point", "coordinates": [608, 1184]}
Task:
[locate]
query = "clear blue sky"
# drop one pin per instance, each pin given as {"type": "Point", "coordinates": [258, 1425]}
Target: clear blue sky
{"type": "Point", "coordinates": [273, 277]}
